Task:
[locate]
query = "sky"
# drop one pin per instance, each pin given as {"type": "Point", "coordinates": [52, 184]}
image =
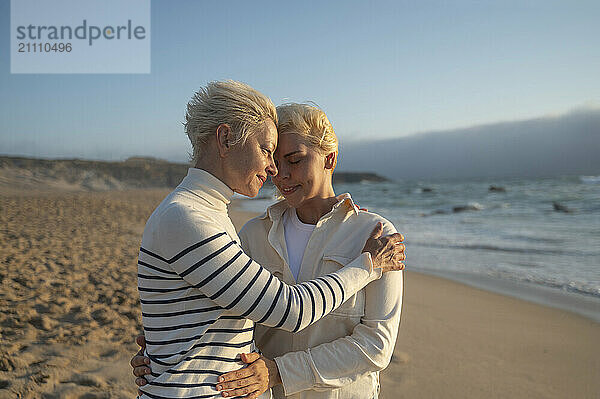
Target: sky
{"type": "Point", "coordinates": [381, 69]}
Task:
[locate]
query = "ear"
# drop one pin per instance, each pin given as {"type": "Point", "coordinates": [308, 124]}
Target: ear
{"type": "Point", "coordinates": [223, 136]}
{"type": "Point", "coordinates": [331, 160]}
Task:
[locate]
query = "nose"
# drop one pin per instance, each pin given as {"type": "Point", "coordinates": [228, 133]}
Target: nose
{"type": "Point", "coordinates": [271, 168]}
{"type": "Point", "coordinates": [283, 171]}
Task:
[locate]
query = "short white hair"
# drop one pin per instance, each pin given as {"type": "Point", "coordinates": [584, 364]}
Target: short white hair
{"type": "Point", "coordinates": [226, 102]}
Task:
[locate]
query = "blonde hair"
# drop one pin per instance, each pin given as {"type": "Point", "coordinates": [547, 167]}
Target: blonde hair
{"type": "Point", "coordinates": [226, 102]}
{"type": "Point", "coordinates": [310, 123]}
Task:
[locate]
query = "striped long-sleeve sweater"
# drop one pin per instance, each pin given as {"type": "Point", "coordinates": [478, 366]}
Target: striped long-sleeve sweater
{"type": "Point", "coordinates": [201, 294]}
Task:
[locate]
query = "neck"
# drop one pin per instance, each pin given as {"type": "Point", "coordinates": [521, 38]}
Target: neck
{"type": "Point", "coordinates": [213, 167]}
{"type": "Point", "coordinates": [315, 208]}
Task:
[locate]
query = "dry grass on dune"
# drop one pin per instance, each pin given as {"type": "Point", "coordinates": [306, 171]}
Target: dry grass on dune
{"type": "Point", "coordinates": [69, 292]}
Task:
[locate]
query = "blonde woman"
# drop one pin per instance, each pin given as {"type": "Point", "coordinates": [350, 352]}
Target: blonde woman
{"type": "Point", "coordinates": [313, 232]}
{"type": "Point", "coordinates": [200, 293]}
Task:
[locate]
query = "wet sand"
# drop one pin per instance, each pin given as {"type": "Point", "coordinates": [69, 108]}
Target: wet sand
{"type": "Point", "coordinates": [457, 341]}
{"type": "Point", "coordinates": [70, 313]}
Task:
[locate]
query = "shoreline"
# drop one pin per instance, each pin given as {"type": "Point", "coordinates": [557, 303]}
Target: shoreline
{"type": "Point", "coordinates": [580, 304]}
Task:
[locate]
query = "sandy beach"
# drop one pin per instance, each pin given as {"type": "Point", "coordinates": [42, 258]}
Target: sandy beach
{"type": "Point", "coordinates": [70, 313]}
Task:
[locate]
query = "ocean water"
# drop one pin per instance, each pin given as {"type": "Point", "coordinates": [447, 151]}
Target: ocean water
{"type": "Point", "coordinates": [512, 237]}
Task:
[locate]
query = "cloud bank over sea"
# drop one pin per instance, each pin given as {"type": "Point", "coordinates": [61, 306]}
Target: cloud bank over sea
{"type": "Point", "coordinates": [568, 144]}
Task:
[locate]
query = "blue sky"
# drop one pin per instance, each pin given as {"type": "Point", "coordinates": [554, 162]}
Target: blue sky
{"type": "Point", "coordinates": [379, 69]}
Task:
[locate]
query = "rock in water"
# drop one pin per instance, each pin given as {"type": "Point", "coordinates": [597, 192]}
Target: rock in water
{"type": "Point", "coordinates": [470, 207]}
{"type": "Point", "coordinates": [558, 207]}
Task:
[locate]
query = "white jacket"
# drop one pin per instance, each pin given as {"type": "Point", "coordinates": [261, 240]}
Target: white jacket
{"type": "Point", "coordinates": [341, 355]}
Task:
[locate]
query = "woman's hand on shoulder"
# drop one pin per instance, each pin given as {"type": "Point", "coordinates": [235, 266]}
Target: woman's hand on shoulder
{"type": "Point", "coordinates": [387, 252]}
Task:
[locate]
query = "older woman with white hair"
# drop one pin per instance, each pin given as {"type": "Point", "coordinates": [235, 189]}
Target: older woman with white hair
{"type": "Point", "coordinates": [200, 293]}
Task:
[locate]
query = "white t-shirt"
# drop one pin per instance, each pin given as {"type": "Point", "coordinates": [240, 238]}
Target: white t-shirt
{"type": "Point", "coordinates": [297, 235]}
